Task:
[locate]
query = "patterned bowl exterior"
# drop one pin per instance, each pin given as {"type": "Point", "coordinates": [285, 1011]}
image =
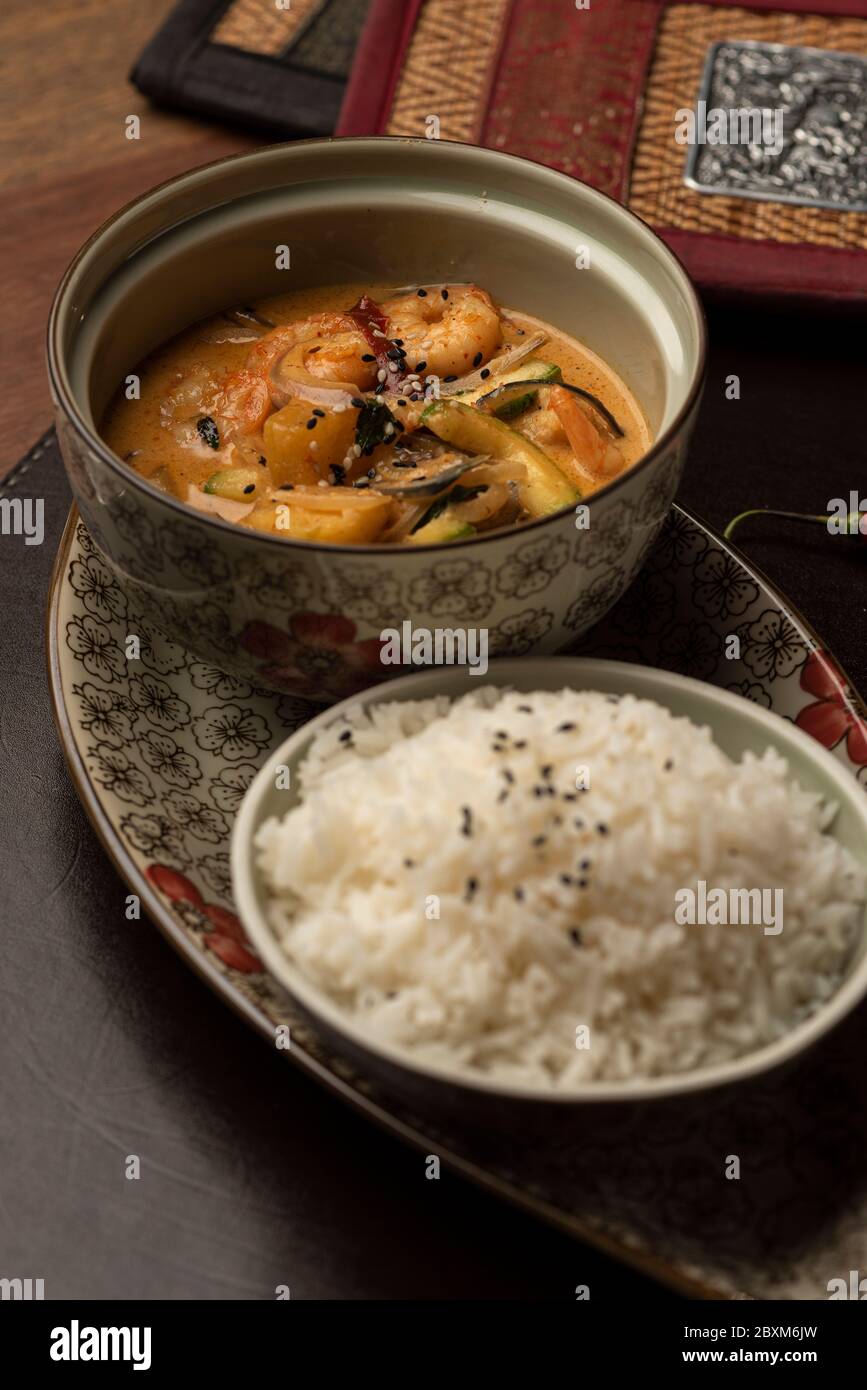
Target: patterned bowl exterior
{"type": "Point", "coordinates": [307, 619]}
{"type": "Point", "coordinates": [309, 623]}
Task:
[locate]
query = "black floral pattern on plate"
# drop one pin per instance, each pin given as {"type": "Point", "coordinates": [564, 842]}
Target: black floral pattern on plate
{"type": "Point", "coordinates": [156, 700]}
{"type": "Point", "coordinates": [646, 607]}
{"type": "Point", "coordinates": [195, 818]}
{"type": "Point", "coordinates": [228, 787]}
{"type": "Point", "coordinates": [771, 646]}
{"type": "Point", "coordinates": [95, 584]}
{"type": "Point", "coordinates": [693, 648]}
{"type": "Point", "coordinates": [170, 762]}
{"type": "Point", "coordinates": [751, 690]}
{"type": "Point", "coordinates": [92, 643]}
{"type": "Point", "coordinates": [231, 732]}
{"type": "Point", "coordinates": [106, 714]}
{"type": "Point", "coordinates": [720, 587]}
{"type": "Point", "coordinates": [679, 542]}
{"type": "Point", "coordinates": [114, 770]}
{"type": "Point", "coordinates": [157, 837]}
{"type": "Point", "coordinates": [217, 683]}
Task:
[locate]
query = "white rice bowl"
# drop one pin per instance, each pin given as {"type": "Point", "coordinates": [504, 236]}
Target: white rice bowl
{"type": "Point", "coordinates": [447, 884]}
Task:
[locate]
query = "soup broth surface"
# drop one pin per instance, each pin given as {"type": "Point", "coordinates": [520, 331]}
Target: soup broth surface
{"type": "Point", "coordinates": [358, 414]}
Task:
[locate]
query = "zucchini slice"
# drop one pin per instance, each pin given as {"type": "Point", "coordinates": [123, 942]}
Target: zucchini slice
{"type": "Point", "coordinates": [513, 403]}
{"type": "Point", "coordinates": [445, 527]}
{"type": "Point", "coordinates": [544, 489]}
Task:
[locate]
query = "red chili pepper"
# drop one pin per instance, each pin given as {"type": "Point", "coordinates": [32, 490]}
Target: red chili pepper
{"type": "Point", "coordinates": [856, 522]}
{"type": "Point", "coordinates": [373, 323]}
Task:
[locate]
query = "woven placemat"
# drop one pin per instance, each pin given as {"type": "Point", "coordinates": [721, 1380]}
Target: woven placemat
{"type": "Point", "coordinates": [656, 189]}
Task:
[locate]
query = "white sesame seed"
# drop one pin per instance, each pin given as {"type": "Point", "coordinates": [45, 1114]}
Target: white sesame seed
{"type": "Point", "coordinates": [381, 374]}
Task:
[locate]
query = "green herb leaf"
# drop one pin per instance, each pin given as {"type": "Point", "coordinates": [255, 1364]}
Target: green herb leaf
{"type": "Point", "coordinates": [458, 493]}
{"type": "Point", "coordinates": [371, 426]}
{"type": "Point", "coordinates": [207, 428]}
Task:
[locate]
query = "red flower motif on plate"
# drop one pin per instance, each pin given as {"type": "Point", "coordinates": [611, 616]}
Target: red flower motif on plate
{"type": "Point", "coordinates": [831, 717]}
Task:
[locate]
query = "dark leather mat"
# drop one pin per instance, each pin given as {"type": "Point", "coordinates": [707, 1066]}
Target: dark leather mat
{"type": "Point", "coordinates": [250, 1176]}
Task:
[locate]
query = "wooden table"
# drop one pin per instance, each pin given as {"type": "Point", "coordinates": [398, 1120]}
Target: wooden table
{"type": "Point", "coordinates": [67, 165]}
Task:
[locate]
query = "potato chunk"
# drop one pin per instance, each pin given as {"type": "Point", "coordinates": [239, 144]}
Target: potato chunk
{"type": "Point", "coordinates": [299, 453]}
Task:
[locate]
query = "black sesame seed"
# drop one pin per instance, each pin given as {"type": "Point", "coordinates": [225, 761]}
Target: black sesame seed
{"type": "Point", "coordinates": [503, 794]}
{"type": "Point", "coordinates": [570, 796]}
{"type": "Point", "coordinates": [401, 402]}
{"type": "Point", "coordinates": [485, 373]}
{"type": "Point", "coordinates": [422, 294]}
{"type": "Point", "coordinates": [509, 776]}
{"type": "Point", "coordinates": [668, 765]}
{"type": "Point", "coordinates": [567, 879]}
{"type": "Point", "coordinates": [582, 883]}
{"type": "Point", "coordinates": [251, 487]}
{"type": "Point", "coordinates": [521, 743]}
{"type": "Point", "coordinates": [602, 828]}
{"type": "Point", "coordinates": [361, 482]}
{"type": "Point", "coordinates": [467, 826]}
{"type": "Point", "coordinates": [287, 487]}
{"type": "Point", "coordinates": [409, 863]}
{"type": "Point", "coordinates": [585, 865]}
{"type": "Point", "coordinates": [312, 422]}
{"type": "Point", "coordinates": [262, 460]}
{"type": "Point", "coordinates": [378, 390]}
{"type": "Point", "coordinates": [371, 472]}
{"type": "Point", "coordinates": [538, 840]}
{"type": "Point", "coordinates": [319, 413]}
{"type": "Point", "coordinates": [565, 728]}
{"type": "Point", "coordinates": [526, 709]}
{"type": "Point", "coordinates": [393, 354]}
{"type": "Point", "coordinates": [421, 366]}
{"type": "Point", "coordinates": [501, 734]}
{"type": "Point", "coordinates": [472, 885]}
{"type": "Point", "coordinates": [346, 736]}
{"type": "Point", "coordinates": [444, 293]}
{"type": "Point", "coordinates": [518, 893]}
{"type": "Point", "coordinates": [546, 771]}
{"type": "Point", "coordinates": [477, 359]}
{"type": "Point", "coordinates": [368, 357]}
{"type": "Point", "coordinates": [449, 378]}
{"type": "Point", "coordinates": [357, 402]}
{"type": "Point", "coordinates": [575, 936]}
{"type": "Point", "coordinates": [579, 825]}
{"type": "Point", "coordinates": [398, 342]}
{"type": "Point", "coordinates": [539, 791]}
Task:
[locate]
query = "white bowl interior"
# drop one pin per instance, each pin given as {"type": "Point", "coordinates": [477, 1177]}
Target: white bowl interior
{"type": "Point", "coordinates": [738, 726]}
{"type": "Point", "coordinates": [392, 211]}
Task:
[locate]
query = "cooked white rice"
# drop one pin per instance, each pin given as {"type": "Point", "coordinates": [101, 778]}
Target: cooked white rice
{"type": "Point", "coordinates": [420, 885]}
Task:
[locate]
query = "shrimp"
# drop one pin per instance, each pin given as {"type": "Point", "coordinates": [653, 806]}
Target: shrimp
{"type": "Point", "coordinates": [596, 456]}
{"type": "Point", "coordinates": [328, 346]}
{"type": "Point", "coordinates": [445, 332]}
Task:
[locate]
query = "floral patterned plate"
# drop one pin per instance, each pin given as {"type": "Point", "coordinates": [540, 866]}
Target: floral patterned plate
{"type": "Point", "coordinates": [161, 748]}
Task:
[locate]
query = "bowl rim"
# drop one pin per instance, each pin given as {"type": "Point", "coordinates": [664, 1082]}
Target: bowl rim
{"type": "Point", "coordinates": [67, 403]}
{"type": "Point", "coordinates": [826, 1016]}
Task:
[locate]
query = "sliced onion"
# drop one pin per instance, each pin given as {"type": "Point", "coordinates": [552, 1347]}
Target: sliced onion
{"type": "Point", "coordinates": [217, 506]}
{"type": "Point", "coordinates": [486, 505]}
{"type": "Point", "coordinates": [407, 516]}
{"type": "Point", "coordinates": [329, 499]}
{"type": "Point", "coordinates": [495, 473]}
{"type": "Point", "coordinates": [497, 365]}
{"type": "Point", "coordinates": [289, 381]}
